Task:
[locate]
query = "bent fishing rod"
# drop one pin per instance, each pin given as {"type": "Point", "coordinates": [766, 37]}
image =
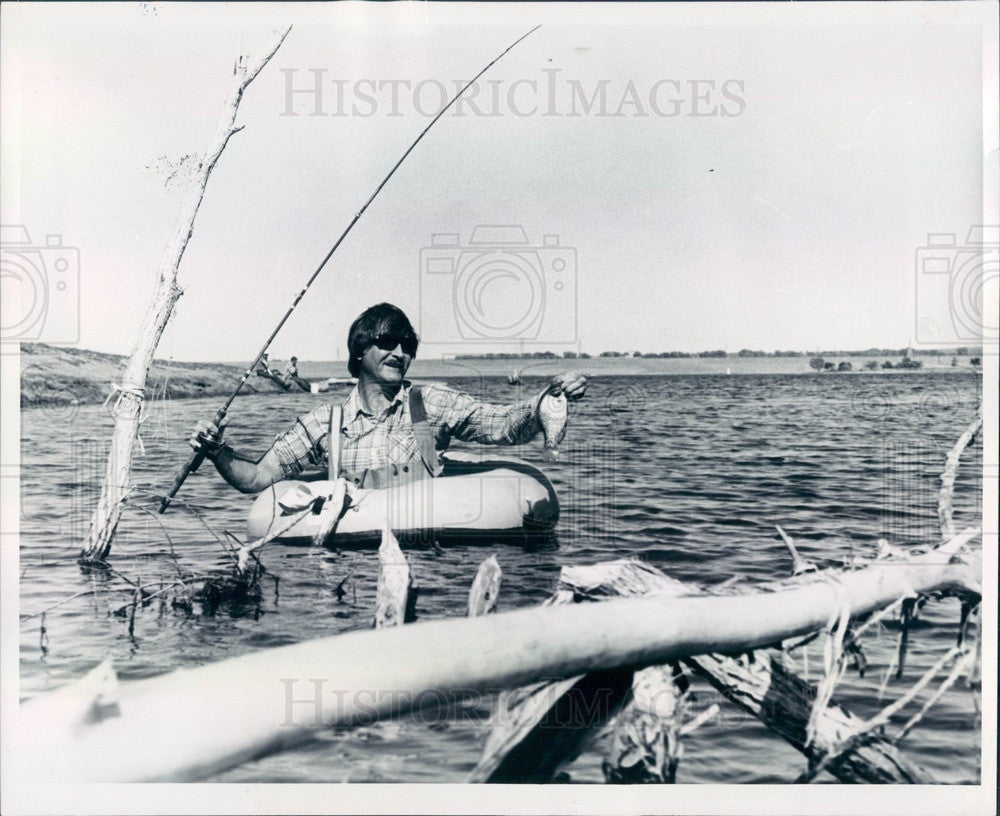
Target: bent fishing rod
{"type": "Point", "coordinates": [194, 462]}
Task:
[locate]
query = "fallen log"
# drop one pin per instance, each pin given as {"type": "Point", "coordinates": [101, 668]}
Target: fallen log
{"type": "Point", "coordinates": [645, 737]}
{"type": "Point", "coordinates": [535, 733]}
{"type": "Point", "coordinates": [191, 723]}
{"type": "Point", "coordinates": [760, 685]}
{"type": "Point", "coordinates": [542, 726]}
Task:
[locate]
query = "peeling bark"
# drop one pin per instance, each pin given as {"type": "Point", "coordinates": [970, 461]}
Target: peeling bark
{"type": "Point", "coordinates": [760, 685]}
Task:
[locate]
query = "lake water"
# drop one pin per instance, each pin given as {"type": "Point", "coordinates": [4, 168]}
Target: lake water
{"type": "Point", "coordinates": [688, 472]}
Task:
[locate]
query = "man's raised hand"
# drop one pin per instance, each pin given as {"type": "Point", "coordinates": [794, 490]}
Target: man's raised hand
{"type": "Point", "coordinates": [570, 383]}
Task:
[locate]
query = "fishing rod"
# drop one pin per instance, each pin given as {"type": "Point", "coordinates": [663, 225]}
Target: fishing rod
{"type": "Point", "coordinates": [194, 462]}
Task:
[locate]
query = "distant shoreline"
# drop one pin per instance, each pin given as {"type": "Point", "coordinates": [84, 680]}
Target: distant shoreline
{"type": "Point", "coordinates": [59, 376]}
{"type": "Point", "coordinates": [67, 376]}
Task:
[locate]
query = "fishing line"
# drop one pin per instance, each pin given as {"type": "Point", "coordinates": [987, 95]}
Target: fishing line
{"type": "Point", "coordinates": [198, 456]}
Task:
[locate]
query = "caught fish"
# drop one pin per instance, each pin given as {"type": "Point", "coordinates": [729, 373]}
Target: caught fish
{"type": "Point", "coordinates": [552, 414]}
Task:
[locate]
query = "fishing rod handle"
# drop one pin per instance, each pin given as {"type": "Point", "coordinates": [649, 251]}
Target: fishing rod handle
{"type": "Point", "coordinates": [192, 464]}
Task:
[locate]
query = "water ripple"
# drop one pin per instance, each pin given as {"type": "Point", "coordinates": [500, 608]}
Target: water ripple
{"type": "Point", "coordinates": [690, 473]}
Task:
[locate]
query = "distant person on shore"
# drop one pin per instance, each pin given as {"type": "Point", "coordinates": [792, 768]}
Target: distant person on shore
{"type": "Point", "coordinates": [292, 373]}
{"type": "Point", "coordinates": [387, 431]}
{"type": "Point", "coordinates": [264, 367]}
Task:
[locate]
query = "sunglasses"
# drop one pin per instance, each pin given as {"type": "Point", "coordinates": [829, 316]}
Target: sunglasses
{"type": "Point", "coordinates": [387, 342]}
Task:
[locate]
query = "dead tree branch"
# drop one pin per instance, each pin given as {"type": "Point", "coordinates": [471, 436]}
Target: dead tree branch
{"type": "Point", "coordinates": [132, 389]}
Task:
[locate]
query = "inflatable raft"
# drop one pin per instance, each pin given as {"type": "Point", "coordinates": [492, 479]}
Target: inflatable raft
{"type": "Point", "coordinates": [475, 500]}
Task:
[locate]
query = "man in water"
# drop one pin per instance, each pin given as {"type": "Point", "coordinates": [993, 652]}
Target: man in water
{"type": "Point", "coordinates": [390, 432]}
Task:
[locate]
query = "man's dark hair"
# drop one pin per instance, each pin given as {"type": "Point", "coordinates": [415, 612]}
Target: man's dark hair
{"type": "Point", "coordinates": [382, 318]}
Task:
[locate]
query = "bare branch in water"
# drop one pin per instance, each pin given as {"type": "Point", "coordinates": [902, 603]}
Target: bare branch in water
{"type": "Point", "coordinates": [799, 564]}
{"type": "Point", "coordinates": [945, 511]}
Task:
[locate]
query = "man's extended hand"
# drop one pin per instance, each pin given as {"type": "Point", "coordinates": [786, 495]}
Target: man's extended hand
{"type": "Point", "coordinates": [570, 383]}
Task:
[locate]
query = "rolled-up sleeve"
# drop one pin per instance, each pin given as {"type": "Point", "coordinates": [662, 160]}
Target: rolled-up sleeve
{"type": "Point", "coordinates": [460, 416]}
{"type": "Point", "coordinates": [300, 445]}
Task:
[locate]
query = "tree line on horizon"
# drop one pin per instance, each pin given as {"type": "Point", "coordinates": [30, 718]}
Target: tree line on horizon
{"type": "Point", "coordinates": [906, 353]}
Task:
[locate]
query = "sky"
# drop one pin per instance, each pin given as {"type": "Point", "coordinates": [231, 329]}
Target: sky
{"type": "Point", "coordinates": [763, 178]}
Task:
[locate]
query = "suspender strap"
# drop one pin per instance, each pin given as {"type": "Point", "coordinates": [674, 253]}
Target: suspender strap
{"type": "Point", "coordinates": [423, 433]}
{"type": "Point", "coordinates": [333, 442]}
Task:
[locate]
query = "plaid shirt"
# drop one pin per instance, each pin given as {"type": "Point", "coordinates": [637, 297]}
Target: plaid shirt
{"type": "Point", "coordinates": [374, 443]}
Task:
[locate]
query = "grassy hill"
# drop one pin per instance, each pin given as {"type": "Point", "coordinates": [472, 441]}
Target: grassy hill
{"type": "Point", "coordinates": [53, 375]}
